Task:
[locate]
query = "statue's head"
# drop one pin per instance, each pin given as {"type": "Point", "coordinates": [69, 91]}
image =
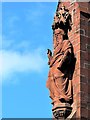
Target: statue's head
{"type": "Point", "coordinates": [58, 37]}
{"type": "Point", "coordinates": [59, 32]}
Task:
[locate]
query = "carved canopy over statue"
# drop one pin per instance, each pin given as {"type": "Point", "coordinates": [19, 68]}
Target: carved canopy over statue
{"type": "Point", "coordinates": [60, 61]}
{"type": "Point", "coordinates": [62, 20]}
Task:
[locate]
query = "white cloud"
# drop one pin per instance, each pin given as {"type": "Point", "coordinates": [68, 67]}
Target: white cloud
{"type": "Point", "coordinates": [14, 61]}
{"type": "Point", "coordinates": [20, 58]}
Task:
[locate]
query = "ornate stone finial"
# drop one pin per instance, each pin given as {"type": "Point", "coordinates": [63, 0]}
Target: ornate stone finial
{"type": "Point", "coordinates": [62, 20]}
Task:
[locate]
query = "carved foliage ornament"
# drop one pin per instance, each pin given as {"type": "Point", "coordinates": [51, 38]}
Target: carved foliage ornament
{"type": "Point", "coordinates": [62, 19]}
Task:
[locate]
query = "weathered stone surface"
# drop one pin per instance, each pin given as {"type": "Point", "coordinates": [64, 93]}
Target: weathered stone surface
{"type": "Point", "coordinates": [79, 36]}
{"type": "Point", "coordinates": [61, 63]}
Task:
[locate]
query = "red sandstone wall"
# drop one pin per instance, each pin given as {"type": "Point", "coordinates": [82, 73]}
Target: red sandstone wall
{"type": "Point", "coordinates": [85, 60]}
{"type": "Point", "coordinates": [80, 38]}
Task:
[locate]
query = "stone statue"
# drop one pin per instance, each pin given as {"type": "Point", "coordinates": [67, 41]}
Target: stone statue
{"type": "Point", "coordinates": [61, 61]}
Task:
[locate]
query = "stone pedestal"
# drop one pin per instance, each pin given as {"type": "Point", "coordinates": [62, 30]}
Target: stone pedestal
{"type": "Point", "coordinates": [61, 111]}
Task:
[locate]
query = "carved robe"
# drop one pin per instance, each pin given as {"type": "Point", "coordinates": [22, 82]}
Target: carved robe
{"type": "Point", "coordinates": [59, 82]}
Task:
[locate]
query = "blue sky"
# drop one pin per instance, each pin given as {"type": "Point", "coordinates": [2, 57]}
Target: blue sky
{"type": "Point", "coordinates": [26, 35]}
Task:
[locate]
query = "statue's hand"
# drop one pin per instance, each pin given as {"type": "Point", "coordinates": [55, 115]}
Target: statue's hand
{"type": "Point", "coordinates": [49, 53]}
